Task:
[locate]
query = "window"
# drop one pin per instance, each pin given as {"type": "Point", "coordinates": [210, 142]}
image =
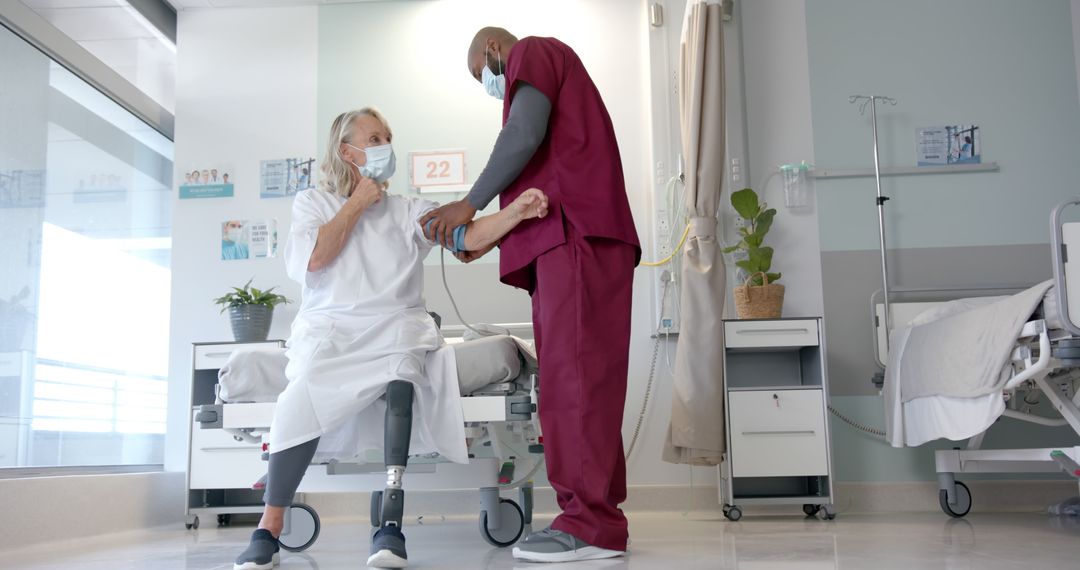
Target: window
{"type": "Point", "coordinates": [84, 271]}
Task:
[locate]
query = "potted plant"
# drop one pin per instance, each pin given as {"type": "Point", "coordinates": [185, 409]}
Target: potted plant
{"type": "Point", "coordinates": [759, 297]}
{"type": "Point", "coordinates": [15, 321]}
{"type": "Point", "coordinates": [250, 311]}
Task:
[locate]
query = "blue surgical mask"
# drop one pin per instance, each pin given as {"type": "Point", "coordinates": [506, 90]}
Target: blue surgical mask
{"type": "Point", "coordinates": [381, 162]}
{"type": "Point", "coordinates": [495, 85]}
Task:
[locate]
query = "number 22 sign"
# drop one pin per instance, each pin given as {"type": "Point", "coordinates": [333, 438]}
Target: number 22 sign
{"type": "Point", "coordinates": [433, 169]}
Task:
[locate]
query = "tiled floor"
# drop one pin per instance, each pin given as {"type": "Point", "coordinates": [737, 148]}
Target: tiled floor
{"type": "Point", "coordinates": [663, 541]}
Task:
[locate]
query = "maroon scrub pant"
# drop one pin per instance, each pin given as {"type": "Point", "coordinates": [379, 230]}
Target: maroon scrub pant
{"type": "Point", "coordinates": [581, 316]}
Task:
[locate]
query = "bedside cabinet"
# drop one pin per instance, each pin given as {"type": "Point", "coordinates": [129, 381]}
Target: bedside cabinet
{"type": "Point", "coordinates": [777, 392]}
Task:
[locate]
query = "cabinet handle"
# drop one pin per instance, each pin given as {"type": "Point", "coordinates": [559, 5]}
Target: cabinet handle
{"type": "Point", "coordinates": [217, 354]}
{"type": "Point", "coordinates": [772, 331]}
{"type": "Point", "coordinates": [758, 433]}
{"type": "Point", "coordinates": [231, 448]}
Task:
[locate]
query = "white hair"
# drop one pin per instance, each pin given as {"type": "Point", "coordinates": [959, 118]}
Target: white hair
{"type": "Point", "coordinates": [339, 175]}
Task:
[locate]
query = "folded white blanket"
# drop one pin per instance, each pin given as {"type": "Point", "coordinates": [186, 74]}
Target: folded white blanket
{"type": "Point", "coordinates": [961, 354]}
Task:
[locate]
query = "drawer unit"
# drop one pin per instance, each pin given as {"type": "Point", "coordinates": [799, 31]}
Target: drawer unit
{"type": "Point", "coordinates": [220, 462]}
{"type": "Point", "coordinates": [771, 334]}
{"type": "Point", "coordinates": [778, 433]}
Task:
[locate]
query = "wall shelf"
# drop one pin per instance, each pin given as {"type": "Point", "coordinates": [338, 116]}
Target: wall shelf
{"type": "Point", "coordinates": [907, 170]}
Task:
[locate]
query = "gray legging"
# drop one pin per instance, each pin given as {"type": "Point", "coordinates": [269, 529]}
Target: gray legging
{"type": "Point", "coordinates": [287, 468]}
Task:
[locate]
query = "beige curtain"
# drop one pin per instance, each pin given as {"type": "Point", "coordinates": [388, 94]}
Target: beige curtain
{"type": "Point", "coordinates": [696, 431]}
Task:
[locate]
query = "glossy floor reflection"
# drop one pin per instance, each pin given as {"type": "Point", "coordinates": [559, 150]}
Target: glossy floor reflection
{"type": "Point", "coordinates": [662, 541]}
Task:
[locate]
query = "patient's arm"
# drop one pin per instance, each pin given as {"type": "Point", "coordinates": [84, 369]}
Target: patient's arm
{"type": "Point", "coordinates": [484, 232]}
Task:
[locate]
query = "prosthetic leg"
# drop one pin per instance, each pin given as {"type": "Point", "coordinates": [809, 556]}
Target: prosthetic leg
{"type": "Point", "coordinates": [388, 506]}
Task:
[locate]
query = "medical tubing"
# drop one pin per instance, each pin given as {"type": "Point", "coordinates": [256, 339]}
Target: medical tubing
{"type": "Point", "coordinates": [666, 260]}
{"type": "Point", "coordinates": [649, 385]}
{"type": "Point", "coordinates": [453, 303]}
{"type": "Point", "coordinates": [872, 431]}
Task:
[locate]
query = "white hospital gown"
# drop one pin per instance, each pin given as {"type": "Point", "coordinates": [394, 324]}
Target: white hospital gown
{"type": "Point", "coordinates": [362, 324]}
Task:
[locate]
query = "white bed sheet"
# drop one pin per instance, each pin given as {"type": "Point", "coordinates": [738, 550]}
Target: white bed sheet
{"type": "Point", "coordinates": [928, 418]}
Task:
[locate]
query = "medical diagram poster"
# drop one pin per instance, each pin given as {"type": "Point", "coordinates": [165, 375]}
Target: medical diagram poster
{"type": "Point", "coordinates": [206, 182]}
{"type": "Point", "coordinates": [952, 144]}
{"type": "Point", "coordinates": [248, 239]}
{"type": "Point", "coordinates": [285, 177]}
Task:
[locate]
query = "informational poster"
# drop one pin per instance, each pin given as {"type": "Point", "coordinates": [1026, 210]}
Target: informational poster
{"type": "Point", "coordinates": [933, 146]}
{"type": "Point", "coordinates": [285, 177]}
{"type": "Point", "coordinates": [215, 182]}
{"type": "Point", "coordinates": [951, 144]}
{"type": "Point", "coordinates": [22, 188]}
{"type": "Point", "coordinates": [248, 239]}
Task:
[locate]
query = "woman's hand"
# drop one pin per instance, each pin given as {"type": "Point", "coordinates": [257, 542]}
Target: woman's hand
{"type": "Point", "coordinates": [532, 203]}
{"type": "Point", "coordinates": [365, 193]}
{"type": "Point", "coordinates": [471, 256]}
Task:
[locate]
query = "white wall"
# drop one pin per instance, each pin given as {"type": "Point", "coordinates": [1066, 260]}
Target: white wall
{"type": "Point", "coordinates": [777, 82]}
{"type": "Point", "coordinates": [246, 90]}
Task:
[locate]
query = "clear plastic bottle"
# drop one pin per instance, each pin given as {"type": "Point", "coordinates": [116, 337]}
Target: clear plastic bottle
{"type": "Point", "coordinates": [798, 183]}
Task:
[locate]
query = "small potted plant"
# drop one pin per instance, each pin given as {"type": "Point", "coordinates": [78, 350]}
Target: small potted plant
{"type": "Point", "coordinates": [250, 311]}
{"type": "Point", "coordinates": [759, 297]}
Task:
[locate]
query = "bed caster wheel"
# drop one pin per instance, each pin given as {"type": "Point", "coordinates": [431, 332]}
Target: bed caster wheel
{"type": "Point", "coordinates": [224, 520]}
{"type": "Point", "coordinates": [301, 529]}
{"type": "Point", "coordinates": [811, 510]}
{"type": "Point", "coordinates": [512, 525]}
{"type": "Point", "coordinates": [733, 513]}
{"type": "Point", "coordinates": [963, 501]}
{"type": "Point", "coordinates": [193, 523]}
{"type": "Point", "coordinates": [376, 509]}
{"type": "Point", "coordinates": [827, 512]}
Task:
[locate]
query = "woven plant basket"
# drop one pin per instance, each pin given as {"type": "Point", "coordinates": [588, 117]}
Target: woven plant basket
{"type": "Point", "coordinates": [760, 301]}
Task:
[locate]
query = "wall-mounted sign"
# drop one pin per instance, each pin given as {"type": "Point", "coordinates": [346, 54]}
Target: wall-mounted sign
{"type": "Point", "coordinates": [437, 171]}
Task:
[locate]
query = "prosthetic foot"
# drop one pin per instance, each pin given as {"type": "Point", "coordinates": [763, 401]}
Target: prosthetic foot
{"type": "Point", "coordinates": [388, 542]}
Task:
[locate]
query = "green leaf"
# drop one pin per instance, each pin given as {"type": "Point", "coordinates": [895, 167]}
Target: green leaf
{"type": "Point", "coordinates": [773, 277]}
{"type": "Point", "coordinates": [764, 223]}
{"type": "Point", "coordinates": [745, 202]}
{"type": "Point", "coordinates": [733, 248]}
{"type": "Point", "coordinates": [753, 239]}
{"type": "Point", "coordinates": [744, 264]}
{"type": "Point", "coordinates": [766, 254]}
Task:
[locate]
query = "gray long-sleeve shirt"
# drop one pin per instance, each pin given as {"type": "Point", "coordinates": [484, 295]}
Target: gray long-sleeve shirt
{"type": "Point", "coordinates": [525, 129]}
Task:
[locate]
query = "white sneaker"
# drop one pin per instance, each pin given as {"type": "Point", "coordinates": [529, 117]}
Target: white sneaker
{"type": "Point", "coordinates": [551, 545]}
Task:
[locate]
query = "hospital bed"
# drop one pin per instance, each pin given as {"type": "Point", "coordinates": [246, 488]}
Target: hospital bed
{"type": "Point", "coordinates": [1042, 361]}
{"type": "Point", "coordinates": [498, 377]}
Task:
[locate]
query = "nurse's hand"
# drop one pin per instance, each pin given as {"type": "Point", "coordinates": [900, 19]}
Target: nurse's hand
{"type": "Point", "coordinates": [365, 193]}
{"type": "Point", "coordinates": [471, 256]}
{"type": "Point", "coordinates": [445, 219]}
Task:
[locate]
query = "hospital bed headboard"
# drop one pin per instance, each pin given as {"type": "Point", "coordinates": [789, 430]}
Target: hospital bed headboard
{"type": "Point", "coordinates": [1065, 240]}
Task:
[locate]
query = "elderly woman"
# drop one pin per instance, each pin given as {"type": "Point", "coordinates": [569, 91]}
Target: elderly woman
{"type": "Point", "coordinates": [363, 342]}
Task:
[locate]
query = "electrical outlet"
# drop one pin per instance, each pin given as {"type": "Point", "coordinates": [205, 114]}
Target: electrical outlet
{"type": "Point", "coordinates": [663, 227]}
{"type": "Point", "coordinates": [740, 222]}
{"type": "Point", "coordinates": [664, 250]}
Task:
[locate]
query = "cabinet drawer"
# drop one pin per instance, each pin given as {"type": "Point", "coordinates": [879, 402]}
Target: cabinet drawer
{"type": "Point", "coordinates": [771, 334]}
{"type": "Point", "coordinates": [220, 462]}
{"type": "Point", "coordinates": [778, 433]}
{"type": "Point", "coordinates": [213, 356]}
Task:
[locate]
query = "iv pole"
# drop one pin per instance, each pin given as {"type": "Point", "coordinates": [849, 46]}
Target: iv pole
{"type": "Point", "coordinates": [864, 102]}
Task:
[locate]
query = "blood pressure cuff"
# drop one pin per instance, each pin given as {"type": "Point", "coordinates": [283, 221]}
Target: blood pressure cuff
{"type": "Point", "coordinates": [458, 244]}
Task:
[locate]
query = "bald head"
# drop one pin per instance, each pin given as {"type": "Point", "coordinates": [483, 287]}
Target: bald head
{"type": "Point", "coordinates": [489, 46]}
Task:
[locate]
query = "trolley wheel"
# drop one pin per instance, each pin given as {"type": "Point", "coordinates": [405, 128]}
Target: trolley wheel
{"type": "Point", "coordinates": [376, 509]}
{"type": "Point", "coordinates": [827, 512]}
{"type": "Point", "coordinates": [224, 520]}
{"type": "Point", "coordinates": [811, 510]}
{"type": "Point", "coordinates": [963, 501]}
{"type": "Point", "coordinates": [303, 528]}
{"type": "Point", "coordinates": [513, 524]}
{"type": "Point", "coordinates": [733, 513]}
{"type": "Point", "coordinates": [194, 524]}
